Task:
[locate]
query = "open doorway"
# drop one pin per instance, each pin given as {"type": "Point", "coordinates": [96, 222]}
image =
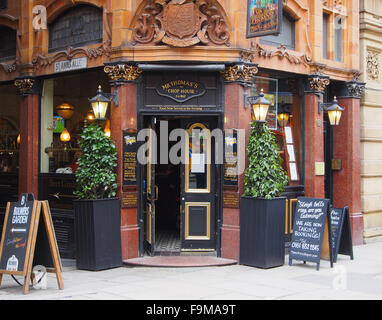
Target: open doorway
{"type": "Point", "coordinates": [179, 201]}
{"type": "Point", "coordinates": [167, 215]}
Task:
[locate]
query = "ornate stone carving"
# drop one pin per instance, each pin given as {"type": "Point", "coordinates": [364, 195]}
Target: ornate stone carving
{"type": "Point", "coordinates": [281, 52]}
{"type": "Point", "coordinates": [240, 72]}
{"type": "Point", "coordinates": [25, 85]}
{"type": "Point", "coordinates": [41, 61]}
{"type": "Point", "coordinates": [355, 88]}
{"type": "Point", "coordinates": [318, 82]}
{"type": "Point", "coordinates": [372, 60]}
{"type": "Point", "coordinates": [9, 68]}
{"type": "Point", "coordinates": [181, 23]}
{"type": "Point", "coordinates": [122, 72]}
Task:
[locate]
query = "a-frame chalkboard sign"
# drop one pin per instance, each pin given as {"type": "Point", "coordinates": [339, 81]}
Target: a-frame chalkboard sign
{"type": "Point", "coordinates": [311, 215]}
{"type": "Point", "coordinates": [341, 233]}
{"type": "Point", "coordinates": [20, 234]}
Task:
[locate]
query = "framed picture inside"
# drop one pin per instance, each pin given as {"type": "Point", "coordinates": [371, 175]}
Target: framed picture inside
{"type": "Point", "coordinates": [264, 17]}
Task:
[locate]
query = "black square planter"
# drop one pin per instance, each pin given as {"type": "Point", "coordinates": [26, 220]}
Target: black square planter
{"type": "Point", "coordinates": [97, 225]}
{"type": "Point", "coordinates": [262, 229]}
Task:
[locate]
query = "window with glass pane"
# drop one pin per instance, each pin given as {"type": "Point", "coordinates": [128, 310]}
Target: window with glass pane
{"type": "Point", "coordinates": [286, 37]}
{"type": "Point", "coordinates": [325, 22]}
{"type": "Point", "coordinates": [338, 27]}
{"type": "Point", "coordinates": [198, 167]}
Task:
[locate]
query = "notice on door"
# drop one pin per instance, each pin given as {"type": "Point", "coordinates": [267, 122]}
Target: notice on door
{"type": "Point", "coordinates": [198, 163]}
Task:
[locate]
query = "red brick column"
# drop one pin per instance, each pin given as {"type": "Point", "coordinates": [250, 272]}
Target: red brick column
{"type": "Point", "coordinates": [314, 147]}
{"type": "Point", "coordinates": [29, 137]}
{"type": "Point", "coordinates": [347, 182]}
{"type": "Point", "coordinates": [314, 137]}
{"type": "Point", "coordinates": [236, 117]}
{"type": "Point", "coordinates": [124, 117]}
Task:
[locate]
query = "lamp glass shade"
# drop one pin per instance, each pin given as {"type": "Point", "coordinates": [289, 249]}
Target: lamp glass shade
{"type": "Point", "coordinates": [65, 111]}
{"type": "Point", "coordinates": [283, 119]}
{"type": "Point", "coordinates": [19, 138]}
{"type": "Point", "coordinates": [100, 109]}
{"type": "Point", "coordinates": [65, 136]}
{"type": "Point", "coordinates": [260, 112]}
{"type": "Point", "coordinates": [334, 116]}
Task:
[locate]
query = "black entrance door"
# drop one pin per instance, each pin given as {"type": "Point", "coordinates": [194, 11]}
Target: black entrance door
{"type": "Point", "coordinates": [198, 186]}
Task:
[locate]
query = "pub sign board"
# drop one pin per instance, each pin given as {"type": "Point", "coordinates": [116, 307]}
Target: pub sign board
{"type": "Point", "coordinates": [341, 233]}
{"type": "Point", "coordinates": [264, 17]}
{"type": "Point", "coordinates": [181, 90]}
{"type": "Point", "coordinates": [21, 243]}
{"type": "Point", "coordinates": [17, 236]}
{"type": "Point", "coordinates": [311, 215]}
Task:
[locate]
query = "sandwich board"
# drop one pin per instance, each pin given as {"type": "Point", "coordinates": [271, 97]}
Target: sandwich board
{"type": "Point", "coordinates": [18, 250]}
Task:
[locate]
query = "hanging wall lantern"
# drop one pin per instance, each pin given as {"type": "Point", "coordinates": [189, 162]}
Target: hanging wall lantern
{"type": "Point", "coordinates": [99, 104]}
{"type": "Point", "coordinates": [334, 111]}
{"type": "Point", "coordinates": [260, 106]}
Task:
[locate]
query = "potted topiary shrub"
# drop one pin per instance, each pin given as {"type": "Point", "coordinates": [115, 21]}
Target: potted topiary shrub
{"type": "Point", "coordinates": [262, 211]}
{"type": "Point", "coordinates": [97, 210]}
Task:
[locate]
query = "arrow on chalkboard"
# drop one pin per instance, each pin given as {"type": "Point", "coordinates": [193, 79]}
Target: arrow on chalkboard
{"type": "Point", "coordinates": [18, 230]}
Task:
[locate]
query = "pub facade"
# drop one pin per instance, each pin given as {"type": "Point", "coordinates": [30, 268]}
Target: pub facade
{"type": "Point", "coordinates": [179, 64]}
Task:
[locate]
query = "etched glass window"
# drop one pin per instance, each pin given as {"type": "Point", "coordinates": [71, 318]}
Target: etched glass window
{"type": "Point", "coordinates": [79, 26]}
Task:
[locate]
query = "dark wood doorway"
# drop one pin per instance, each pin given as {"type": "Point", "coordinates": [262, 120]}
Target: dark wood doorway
{"type": "Point", "coordinates": [180, 197]}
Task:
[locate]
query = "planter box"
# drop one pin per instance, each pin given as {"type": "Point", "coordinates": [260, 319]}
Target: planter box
{"type": "Point", "coordinates": [262, 229]}
{"type": "Point", "coordinates": [97, 225]}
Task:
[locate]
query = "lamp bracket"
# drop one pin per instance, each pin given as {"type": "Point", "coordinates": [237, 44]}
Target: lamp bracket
{"type": "Point", "coordinates": [322, 106]}
{"type": "Point", "coordinates": [113, 97]}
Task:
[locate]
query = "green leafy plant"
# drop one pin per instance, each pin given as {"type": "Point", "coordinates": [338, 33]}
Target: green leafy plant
{"type": "Point", "coordinates": [264, 177]}
{"type": "Point", "coordinates": [95, 176]}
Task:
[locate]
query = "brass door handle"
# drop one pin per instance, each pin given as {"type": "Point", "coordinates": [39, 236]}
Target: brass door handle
{"type": "Point", "coordinates": [156, 193]}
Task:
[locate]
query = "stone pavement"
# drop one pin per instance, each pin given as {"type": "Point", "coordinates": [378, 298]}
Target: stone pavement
{"type": "Point", "coordinates": [359, 279]}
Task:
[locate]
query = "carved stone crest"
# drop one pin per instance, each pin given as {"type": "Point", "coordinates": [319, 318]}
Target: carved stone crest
{"type": "Point", "coordinates": [181, 23]}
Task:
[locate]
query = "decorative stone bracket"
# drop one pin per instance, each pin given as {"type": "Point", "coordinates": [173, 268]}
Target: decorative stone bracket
{"type": "Point", "coordinates": [25, 85]}
{"type": "Point", "coordinates": [318, 83]}
{"type": "Point", "coordinates": [355, 89]}
{"type": "Point", "coordinates": [240, 73]}
{"type": "Point", "coordinates": [122, 72]}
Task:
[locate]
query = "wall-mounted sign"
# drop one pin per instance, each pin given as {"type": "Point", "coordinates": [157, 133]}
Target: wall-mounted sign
{"type": "Point", "coordinates": [264, 17]}
{"type": "Point", "coordinates": [130, 199]}
{"type": "Point", "coordinates": [230, 159]}
{"type": "Point", "coordinates": [70, 65]}
{"type": "Point", "coordinates": [231, 200]}
{"type": "Point", "coordinates": [130, 149]}
{"type": "Point", "coordinates": [181, 90]}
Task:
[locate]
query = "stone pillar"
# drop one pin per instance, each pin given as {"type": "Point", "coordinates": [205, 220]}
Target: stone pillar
{"type": "Point", "coordinates": [124, 117]}
{"type": "Point", "coordinates": [314, 137]}
{"type": "Point", "coordinates": [237, 78]}
{"type": "Point", "coordinates": [29, 135]}
{"type": "Point", "coordinates": [346, 146]}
